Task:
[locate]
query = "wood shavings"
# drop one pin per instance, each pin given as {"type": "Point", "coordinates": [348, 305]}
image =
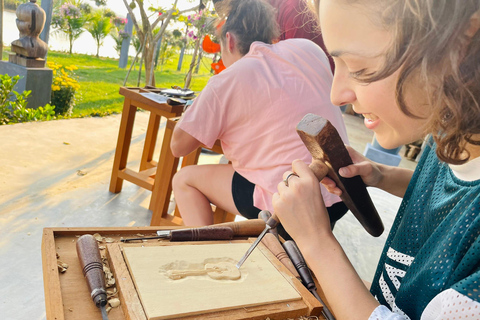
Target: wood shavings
{"type": "Point", "coordinates": [70, 309]}
{"type": "Point", "coordinates": [108, 309]}
{"type": "Point", "coordinates": [109, 279]}
{"type": "Point", "coordinates": [112, 293]}
{"type": "Point", "coordinates": [109, 240]}
{"type": "Point", "coordinates": [101, 247]}
{"type": "Point", "coordinates": [98, 237]}
{"type": "Point", "coordinates": [140, 235]}
{"type": "Point", "coordinates": [114, 302]}
{"type": "Point", "coordinates": [81, 173]}
{"type": "Point", "coordinates": [62, 266]}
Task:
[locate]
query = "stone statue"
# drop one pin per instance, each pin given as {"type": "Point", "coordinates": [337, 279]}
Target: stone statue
{"type": "Point", "coordinates": [30, 22]}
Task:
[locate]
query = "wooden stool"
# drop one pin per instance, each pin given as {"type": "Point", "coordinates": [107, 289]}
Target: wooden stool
{"type": "Point", "coordinates": [153, 176]}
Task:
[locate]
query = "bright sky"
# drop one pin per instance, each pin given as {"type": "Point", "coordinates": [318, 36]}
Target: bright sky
{"type": "Point", "coordinates": [119, 7]}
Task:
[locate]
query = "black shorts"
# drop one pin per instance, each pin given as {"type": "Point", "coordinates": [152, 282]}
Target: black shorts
{"type": "Point", "coordinates": [242, 192]}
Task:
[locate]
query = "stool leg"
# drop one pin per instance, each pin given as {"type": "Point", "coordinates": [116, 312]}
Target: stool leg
{"type": "Point", "coordinates": [150, 141]}
{"type": "Point", "coordinates": [123, 145]}
{"type": "Point", "coordinates": [166, 168]}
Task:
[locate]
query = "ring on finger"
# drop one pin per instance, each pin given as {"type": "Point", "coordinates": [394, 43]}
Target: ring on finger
{"type": "Point", "coordinates": [289, 175]}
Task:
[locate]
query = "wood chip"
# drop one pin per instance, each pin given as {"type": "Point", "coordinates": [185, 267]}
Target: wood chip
{"type": "Point", "coordinates": [101, 247]}
{"type": "Point", "coordinates": [140, 235]}
{"type": "Point", "coordinates": [109, 240]}
{"type": "Point", "coordinates": [98, 237]}
{"type": "Point", "coordinates": [114, 302]}
{"type": "Point", "coordinates": [62, 266]}
{"type": "Point", "coordinates": [108, 309]}
{"type": "Point", "coordinates": [81, 173]}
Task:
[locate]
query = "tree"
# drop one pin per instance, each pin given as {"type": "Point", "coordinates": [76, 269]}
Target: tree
{"type": "Point", "coordinates": [99, 27]}
{"type": "Point", "coordinates": [145, 32]}
{"type": "Point", "coordinates": [69, 19]}
{"type": "Point", "coordinates": [201, 23]}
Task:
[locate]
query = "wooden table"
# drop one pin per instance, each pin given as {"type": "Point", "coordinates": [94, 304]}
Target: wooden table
{"type": "Point", "coordinates": [155, 176]}
{"type": "Point", "coordinates": [66, 294]}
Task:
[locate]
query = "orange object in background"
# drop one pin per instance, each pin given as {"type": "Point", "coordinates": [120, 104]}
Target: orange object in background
{"type": "Point", "coordinates": [209, 46]}
{"type": "Point", "coordinates": [218, 66]}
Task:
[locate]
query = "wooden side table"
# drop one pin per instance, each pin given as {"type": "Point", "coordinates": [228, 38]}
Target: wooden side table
{"type": "Point", "coordinates": [154, 176]}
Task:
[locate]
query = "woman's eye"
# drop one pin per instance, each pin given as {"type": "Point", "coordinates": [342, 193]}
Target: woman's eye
{"type": "Point", "coordinates": [358, 73]}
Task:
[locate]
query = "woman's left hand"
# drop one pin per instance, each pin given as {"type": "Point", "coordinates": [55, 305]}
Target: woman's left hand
{"type": "Point", "coordinates": [300, 205]}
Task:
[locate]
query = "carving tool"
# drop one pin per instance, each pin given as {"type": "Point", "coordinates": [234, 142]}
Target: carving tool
{"type": "Point", "coordinates": [272, 242]}
{"type": "Point", "coordinates": [265, 215]}
{"type": "Point", "coordinates": [299, 262]}
{"type": "Point", "coordinates": [245, 228]}
{"type": "Point", "coordinates": [271, 223]}
{"type": "Point", "coordinates": [324, 143]}
{"type": "Point", "coordinates": [92, 266]}
{"type": "Point", "coordinates": [191, 234]}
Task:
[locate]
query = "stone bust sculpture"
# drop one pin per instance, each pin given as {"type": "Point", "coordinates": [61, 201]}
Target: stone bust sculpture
{"type": "Point", "coordinates": [30, 22]}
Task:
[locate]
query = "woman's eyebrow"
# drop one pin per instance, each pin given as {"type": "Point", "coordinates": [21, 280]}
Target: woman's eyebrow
{"type": "Point", "coordinates": [339, 53]}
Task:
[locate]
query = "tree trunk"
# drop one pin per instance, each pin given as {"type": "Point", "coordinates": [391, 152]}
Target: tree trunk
{"type": "Point", "coordinates": [199, 60]}
{"type": "Point", "coordinates": [188, 78]}
{"type": "Point", "coordinates": [180, 59]}
{"type": "Point", "coordinates": [149, 71]}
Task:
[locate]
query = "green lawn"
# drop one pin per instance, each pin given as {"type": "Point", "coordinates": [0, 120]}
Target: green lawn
{"type": "Point", "coordinates": [100, 79]}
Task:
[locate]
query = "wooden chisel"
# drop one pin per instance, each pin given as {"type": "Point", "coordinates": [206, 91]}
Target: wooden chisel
{"type": "Point", "coordinates": [299, 262]}
{"type": "Point", "coordinates": [92, 267]}
{"type": "Point", "coordinates": [191, 234]}
{"type": "Point", "coordinates": [245, 228]}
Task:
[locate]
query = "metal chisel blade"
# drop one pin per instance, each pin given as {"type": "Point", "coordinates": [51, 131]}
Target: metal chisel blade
{"type": "Point", "coordinates": [104, 313]}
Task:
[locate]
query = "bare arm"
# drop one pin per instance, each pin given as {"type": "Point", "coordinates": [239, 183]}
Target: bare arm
{"type": "Point", "coordinates": [183, 143]}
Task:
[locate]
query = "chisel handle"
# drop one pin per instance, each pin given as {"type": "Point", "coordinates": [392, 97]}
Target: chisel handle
{"type": "Point", "coordinates": [202, 234]}
{"type": "Point", "coordinates": [265, 215]}
{"type": "Point", "coordinates": [272, 243]}
{"type": "Point", "coordinates": [247, 228]}
{"type": "Point", "coordinates": [300, 264]}
{"type": "Point", "coordinates": [92, 267]}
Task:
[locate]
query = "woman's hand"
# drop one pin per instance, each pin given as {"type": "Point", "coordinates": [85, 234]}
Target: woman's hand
{"type": "Point", "coordinates": [300, 205]}
{"type": "Point", "coordinates": [368, 170]}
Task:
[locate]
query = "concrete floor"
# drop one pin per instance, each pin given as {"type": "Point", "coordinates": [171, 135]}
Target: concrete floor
{"type": "Point", "coordinates": [57, 174]}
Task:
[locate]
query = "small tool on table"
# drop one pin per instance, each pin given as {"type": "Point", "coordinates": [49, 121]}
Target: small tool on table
{"type": "Point", "coordinates": [271, 223]}
{"type": "Point", "coordinates": [92, 266]}
{"type": "Point", "coordinates": [191, 234]}
{"type": "Point", "coordinates": [299, 262]}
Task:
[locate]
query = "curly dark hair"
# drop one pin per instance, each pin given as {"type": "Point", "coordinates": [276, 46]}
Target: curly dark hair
{"type": "Point", "coordinates": [249, 20]}
{"type": "Point", "coordinates": [430, 43]}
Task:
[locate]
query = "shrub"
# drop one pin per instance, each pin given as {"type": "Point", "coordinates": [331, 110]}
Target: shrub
{"type": "Point", "coordinates": [64, 86]}
{"type": "Point", "coordinates": [13, 105]}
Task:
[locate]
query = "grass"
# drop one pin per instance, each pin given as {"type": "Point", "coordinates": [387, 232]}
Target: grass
{"type": "Point", "coordinates": [101, 78]}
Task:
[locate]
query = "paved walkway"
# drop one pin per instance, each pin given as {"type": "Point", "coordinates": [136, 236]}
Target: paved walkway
{"type": "Point", "coordinates": [57, 173]}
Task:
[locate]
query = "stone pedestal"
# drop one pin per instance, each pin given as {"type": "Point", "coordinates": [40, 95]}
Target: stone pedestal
{"type": "Point", "coordinates": [38, 80]}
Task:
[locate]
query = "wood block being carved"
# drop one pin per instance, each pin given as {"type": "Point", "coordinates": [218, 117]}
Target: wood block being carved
{"type": "Point", "coordinates": [200, 288]}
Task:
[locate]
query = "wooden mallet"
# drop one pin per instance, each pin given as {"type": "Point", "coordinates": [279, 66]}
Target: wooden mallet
{"type": "Point", "coordinates": [324, 143]}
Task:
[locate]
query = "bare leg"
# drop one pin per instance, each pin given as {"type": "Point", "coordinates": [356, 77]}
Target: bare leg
{"type": "Point", "coordinates": [195, 187]}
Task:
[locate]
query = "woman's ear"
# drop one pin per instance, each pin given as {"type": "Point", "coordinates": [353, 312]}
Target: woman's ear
{"type": "Point", "coordinates": [474, 25]}
{"type": "Point", "coordinates": [230, 42]}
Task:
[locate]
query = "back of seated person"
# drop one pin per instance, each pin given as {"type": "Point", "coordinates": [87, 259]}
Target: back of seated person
{"type": "Point", "coordinates": [252, 107]}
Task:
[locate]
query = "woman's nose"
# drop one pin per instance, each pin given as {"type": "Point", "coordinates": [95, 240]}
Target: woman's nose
{"type": "Point", "coordinates": [342, 92]}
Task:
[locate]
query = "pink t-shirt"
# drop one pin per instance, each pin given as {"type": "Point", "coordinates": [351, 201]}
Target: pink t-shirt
{"type": "Point", "coordinates": [254, 106]}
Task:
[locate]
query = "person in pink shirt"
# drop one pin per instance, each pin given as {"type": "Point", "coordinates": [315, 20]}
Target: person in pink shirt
{"type": "Point", "coordinates": [252, 107]}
